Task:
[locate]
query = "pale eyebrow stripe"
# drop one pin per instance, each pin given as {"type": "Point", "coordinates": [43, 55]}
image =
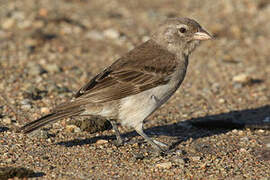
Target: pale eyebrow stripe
{"type": "Point", "coordinates": [181, 25]}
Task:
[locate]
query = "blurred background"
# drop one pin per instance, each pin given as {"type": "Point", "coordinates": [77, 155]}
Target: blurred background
{"type": "Point", "coordinates": [49, 48]}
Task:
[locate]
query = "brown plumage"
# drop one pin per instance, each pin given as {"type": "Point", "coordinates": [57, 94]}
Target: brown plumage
{"type": "Point", "coordinates": [146, 76]}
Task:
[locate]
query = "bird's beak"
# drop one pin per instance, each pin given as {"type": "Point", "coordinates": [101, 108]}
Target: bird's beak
{"type": "Point", "coordinates": [202, 35]}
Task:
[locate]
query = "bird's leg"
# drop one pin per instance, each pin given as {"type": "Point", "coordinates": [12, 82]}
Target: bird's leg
{"type": "Point", "coordinates": [119, 140]}
{"type": "Point", "coordinates": [158, 146]}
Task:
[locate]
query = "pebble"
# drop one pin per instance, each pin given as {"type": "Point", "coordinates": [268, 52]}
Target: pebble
{"type": "Point", "coordinates": [179, 161]}
{"type": "Point", "coordinates": [240, 132]}
{"type": "Point", "coordinates": [138, 156]}
{"type": "Point", "coordinates": [221, 100]}
{"type": "Point", "coordinates": [101, 141]}
{"type": "Point", "coordinates": [243, 150]}
{"type": "Point", "coordinates": [195, 158]}
{"type": "Point", "coordinates": [41, 134]}
{"type": "Point", "coordinates": [26, 106]}
{"type": "Point", "coordinates": [241, 78]}
{"type": "Point", "coordinates": [44, 110]}
{"type": "Point", "coordinates": [237, 86]}
{"type": "Point", "coordinates": [235, 131]}
{"type": "Point", "coordinates": [52, 68]}
{"type": "Point", "coordinates": [35, 69]}
{"type": "Point", "coordinates": [38, 24]}
{"type": "Point", "coordinates": [236, 31]}
{"type": "Point", "coordinates": [9, 160]}
{"type": "Point", "coordinates": [72, 129]}
{"type": "Point", "coordinates": [111, 33]}
{"type": "Point", "coordinates": [94, 124]}
{"type": "Point", "coordinates": [18, 15]}
{"type": "Point", "coordinates": [244, 138]}
{"type": "Point", "coordinates": [261, 131]}
{"type": "Point", "coordinates": [25, 102]}
{"type": "Point", "coordinates": [24, 24]}
{"type": "Point", "coordinates": [179, 152]}
{"type": "Point", "coordinates": [43, 12]}
{"type": "Point", "coordinates": [7, 120]}
{"type": "Point", "coordinates": [8, 23]}
{"type": "Point", "coordinates": [31, 42]}
{"type": "Point", "coordinates": [94, 35]}
{"type": "Point", "coordinates": [165, 165]}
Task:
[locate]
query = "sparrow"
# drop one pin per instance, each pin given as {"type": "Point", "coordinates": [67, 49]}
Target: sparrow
{"type": "Point", "coordinates": [138, 83]}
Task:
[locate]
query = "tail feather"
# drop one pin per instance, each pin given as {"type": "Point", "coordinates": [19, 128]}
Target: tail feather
{"type": "Point", "coordinates": [49, 119]}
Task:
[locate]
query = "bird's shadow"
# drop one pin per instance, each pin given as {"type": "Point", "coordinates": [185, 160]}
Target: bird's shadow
{"type": "Point", "coordinates": [10, 172]}
{"type": "Point", "coordinates": [197, 127]}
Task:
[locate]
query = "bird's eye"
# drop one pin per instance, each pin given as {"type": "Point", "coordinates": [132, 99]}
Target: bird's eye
{"type": "Point", "coordinates": [182, 30]}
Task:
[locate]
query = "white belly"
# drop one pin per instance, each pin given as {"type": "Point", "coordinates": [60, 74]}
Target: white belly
{"type": "Point", "coordinates": [135, 109]}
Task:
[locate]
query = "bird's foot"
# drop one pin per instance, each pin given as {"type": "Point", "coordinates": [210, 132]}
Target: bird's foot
{"type": "Point", "coordinates": [118, 142]}
{"type": "Point", "coordinates": [160, 148]}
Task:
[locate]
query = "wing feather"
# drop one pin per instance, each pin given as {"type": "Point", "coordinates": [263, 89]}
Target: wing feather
{"type": "Point", "coordinates": [143, 68]}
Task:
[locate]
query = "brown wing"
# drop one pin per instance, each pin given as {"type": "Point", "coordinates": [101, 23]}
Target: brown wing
{"type": "Point", "coordinates": [143, 68]}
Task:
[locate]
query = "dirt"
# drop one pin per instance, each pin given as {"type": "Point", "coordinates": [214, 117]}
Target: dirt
{"type": "Point", "coordinates": [217, 123]}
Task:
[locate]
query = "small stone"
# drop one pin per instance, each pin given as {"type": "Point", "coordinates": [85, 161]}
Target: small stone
{"type": "Point", "coordinates": [179, 161]}
{"type": "Point", "coordinates": [41, 134]}
{"type": "Point", "coordinates": [241, 78]}
{"type": "Point", "coordinates": [101, 141]}
{"type": "Point", "coordinates": [38, 24]}
{"type": "Point", "coordinates": [31, 42]}
{"type": "Point", "coordinates": [72, 129]}
{"type": "Point", "coordinates": [7, 120]}
{"type": "Point", "coordinates": [94, 124]}
{"type": "Point", "coordinates": [240, 132]}
{"type": "Point", "coordinates": [8, 23]}
{"type": "Point", "coordinates": [111, 33]}
{"type": "Point", "coordinates": [237, 86]}
{"type": "Point", "coordinates": [39, 79]}
{"type": "Point", "coordinates": [243, 150]}
{"type": "Point", "coordinates": [195, 158]}
{"type": "Point", "coordinates": [165, 165]}
{"type": "Point", "coordinates": [236, 31]}
{"type": "Point", "coordinates": [139, 156]}
{"type": "Point", "coordinates": [26, 106]}
{"type": "Point", "coordinates": [261, 131]}
{"type": "Point", "coordinates": [25, 102]}
{"type": "Point", "coordinates": [43, 12]}
{"type": "Point", "coordinates": [44, 110]}
{"type": "Point", "coordinates": [52, 68]}
{"type": "Point", "coordinates": [18, 15]}
{"type": "Point", "coordinates": [24, 24]}
{"type": "Point", "coordinates": [244, 138]}
{"type": "Point", "coordinates": [221, 100]}
{"type": "Point", "coordinates": [179, 152]}
{"type": "Point", "coordinates": [35, 69]}
{"type": "Point", "coordinates": [235, 131]}
{"type": "Point", "coordinates": [9, 160]}
{"type": "Point", "coordinates": [94, 35]}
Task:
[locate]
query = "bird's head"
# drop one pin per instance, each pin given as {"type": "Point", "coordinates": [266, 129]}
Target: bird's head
{"type": "Point", "coordinates": [180, 35]}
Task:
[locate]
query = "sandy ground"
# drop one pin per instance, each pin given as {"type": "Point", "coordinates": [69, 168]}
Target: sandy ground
{"type": "Point", "coordinates": [48, 49]}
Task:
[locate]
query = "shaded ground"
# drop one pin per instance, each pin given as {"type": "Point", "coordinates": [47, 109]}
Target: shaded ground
{"type": "Point", "coordinates": [48, 49]}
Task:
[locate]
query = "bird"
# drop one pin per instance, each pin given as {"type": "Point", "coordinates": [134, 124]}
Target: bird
{"type": "Point", "coordinates": [133, 87]}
